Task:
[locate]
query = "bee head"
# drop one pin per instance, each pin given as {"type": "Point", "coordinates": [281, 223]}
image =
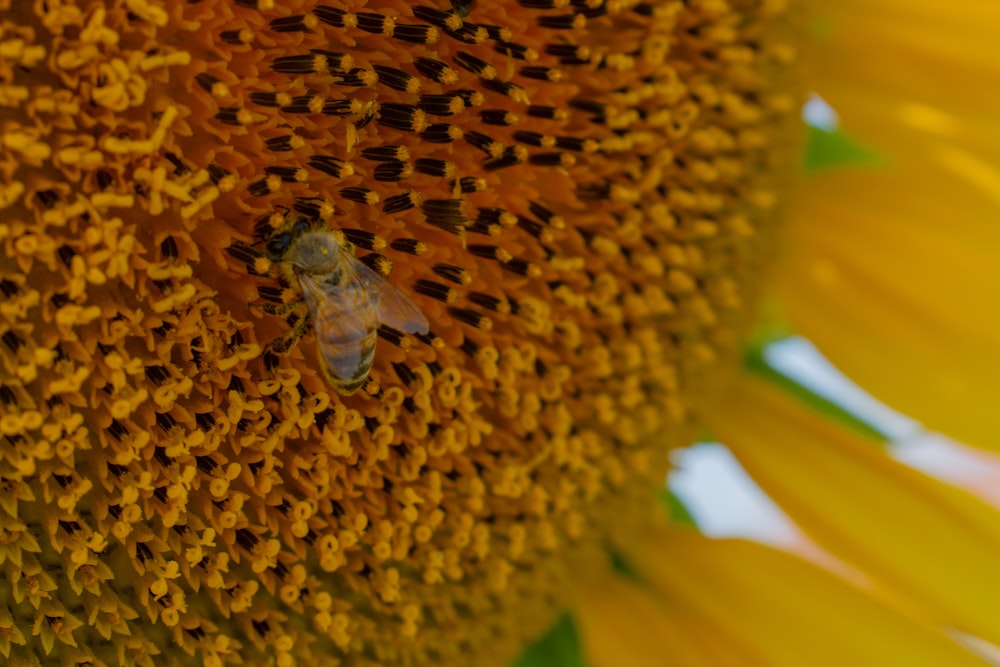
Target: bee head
{"type": "Point", "coordinates": [314, 252]}
{"type": "Point", "coordinates": [279, 244]}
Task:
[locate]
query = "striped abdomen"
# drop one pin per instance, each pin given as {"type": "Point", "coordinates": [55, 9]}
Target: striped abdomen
{"type": "Point", "coordinates": [346, 325]}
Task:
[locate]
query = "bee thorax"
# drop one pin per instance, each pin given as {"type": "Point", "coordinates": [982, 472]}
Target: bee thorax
{"type": "Point", "coordinates": [315, 253]}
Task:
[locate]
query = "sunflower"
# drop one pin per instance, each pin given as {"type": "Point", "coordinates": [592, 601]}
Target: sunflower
{"type": "Point", "coordinates": [558, 220]}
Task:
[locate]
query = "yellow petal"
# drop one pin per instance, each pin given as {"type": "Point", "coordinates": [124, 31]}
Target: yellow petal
{"type": "Point", "coordinates": [622, 623]}
{"type": "Point", "coordinates": [890, 65]}
{"type": "Point", "coordinates": [892, 274]}
{"type": "Point", "coordinates": [787, 611]}
{"type": "Point", "coordinates": [922, 538]}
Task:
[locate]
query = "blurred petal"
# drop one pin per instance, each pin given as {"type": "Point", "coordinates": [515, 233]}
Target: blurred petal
{"type": "Point", "coordinates": [893, 275]}
{"type": "Point", "coordinates": [622, 623]}
{"type": "Point", "coordinates": [933, 60]}
{"type": "Point", "coordinates": [785, 610]}
{"type": "Point", "coordinates": [926, 540]}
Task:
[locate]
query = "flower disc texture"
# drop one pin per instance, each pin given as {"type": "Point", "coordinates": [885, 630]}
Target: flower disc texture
{"type": "Point", "coordinates": [580, 196]}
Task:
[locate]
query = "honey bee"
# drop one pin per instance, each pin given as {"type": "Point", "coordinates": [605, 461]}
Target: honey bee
{"type": "Point", "coordinates": [347, 302]}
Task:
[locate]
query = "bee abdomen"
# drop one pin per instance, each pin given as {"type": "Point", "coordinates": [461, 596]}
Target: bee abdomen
{"type": "Point", "coordinates": [348, 362]}
{"type": "Point", "coordinates": [346, 387]}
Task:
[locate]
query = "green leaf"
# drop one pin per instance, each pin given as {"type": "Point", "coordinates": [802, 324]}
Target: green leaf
{"type": "Point", "coordinates": [828, 150]}
{"type": "Point", "coordinates": [679, 513]}
{"type": "Point", "coordinates": [559, 647]}
{"type": "Point", "coordinates": [755, 362]}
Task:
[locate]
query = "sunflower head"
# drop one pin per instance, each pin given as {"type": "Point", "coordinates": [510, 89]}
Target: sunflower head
{"type": "Point", "coordinates": [576, 195]}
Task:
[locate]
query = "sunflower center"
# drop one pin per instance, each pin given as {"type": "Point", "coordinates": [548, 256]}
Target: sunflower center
{"type": "Point", "coordinates": [578, 196]}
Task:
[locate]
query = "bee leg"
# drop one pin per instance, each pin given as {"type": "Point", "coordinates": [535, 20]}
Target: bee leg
{"type": "Point", "coordinates": [371, 387]}
{"type": "Point", "coordinates": [290, 338]}
{"type": "Point", "coordinates": [279, 309]}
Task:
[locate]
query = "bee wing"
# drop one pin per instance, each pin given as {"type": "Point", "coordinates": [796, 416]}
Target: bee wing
{"type": "Point", "coordinates": [343, 317]}
{"type": "Point", "coordinates": [345, 310]}
{"type": "Point", "coordinates": [395, 309]}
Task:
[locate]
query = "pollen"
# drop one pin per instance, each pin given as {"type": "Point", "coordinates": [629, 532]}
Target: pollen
{"type": "Point", "coordinates": [576, 195]}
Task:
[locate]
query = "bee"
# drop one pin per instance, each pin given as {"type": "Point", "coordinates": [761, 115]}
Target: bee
{"type": "Point", "coordinates": [347, 302]}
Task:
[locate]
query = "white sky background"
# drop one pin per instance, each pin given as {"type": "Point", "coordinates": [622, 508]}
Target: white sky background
{"type": "Point", "coordinates": [725, 502]}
